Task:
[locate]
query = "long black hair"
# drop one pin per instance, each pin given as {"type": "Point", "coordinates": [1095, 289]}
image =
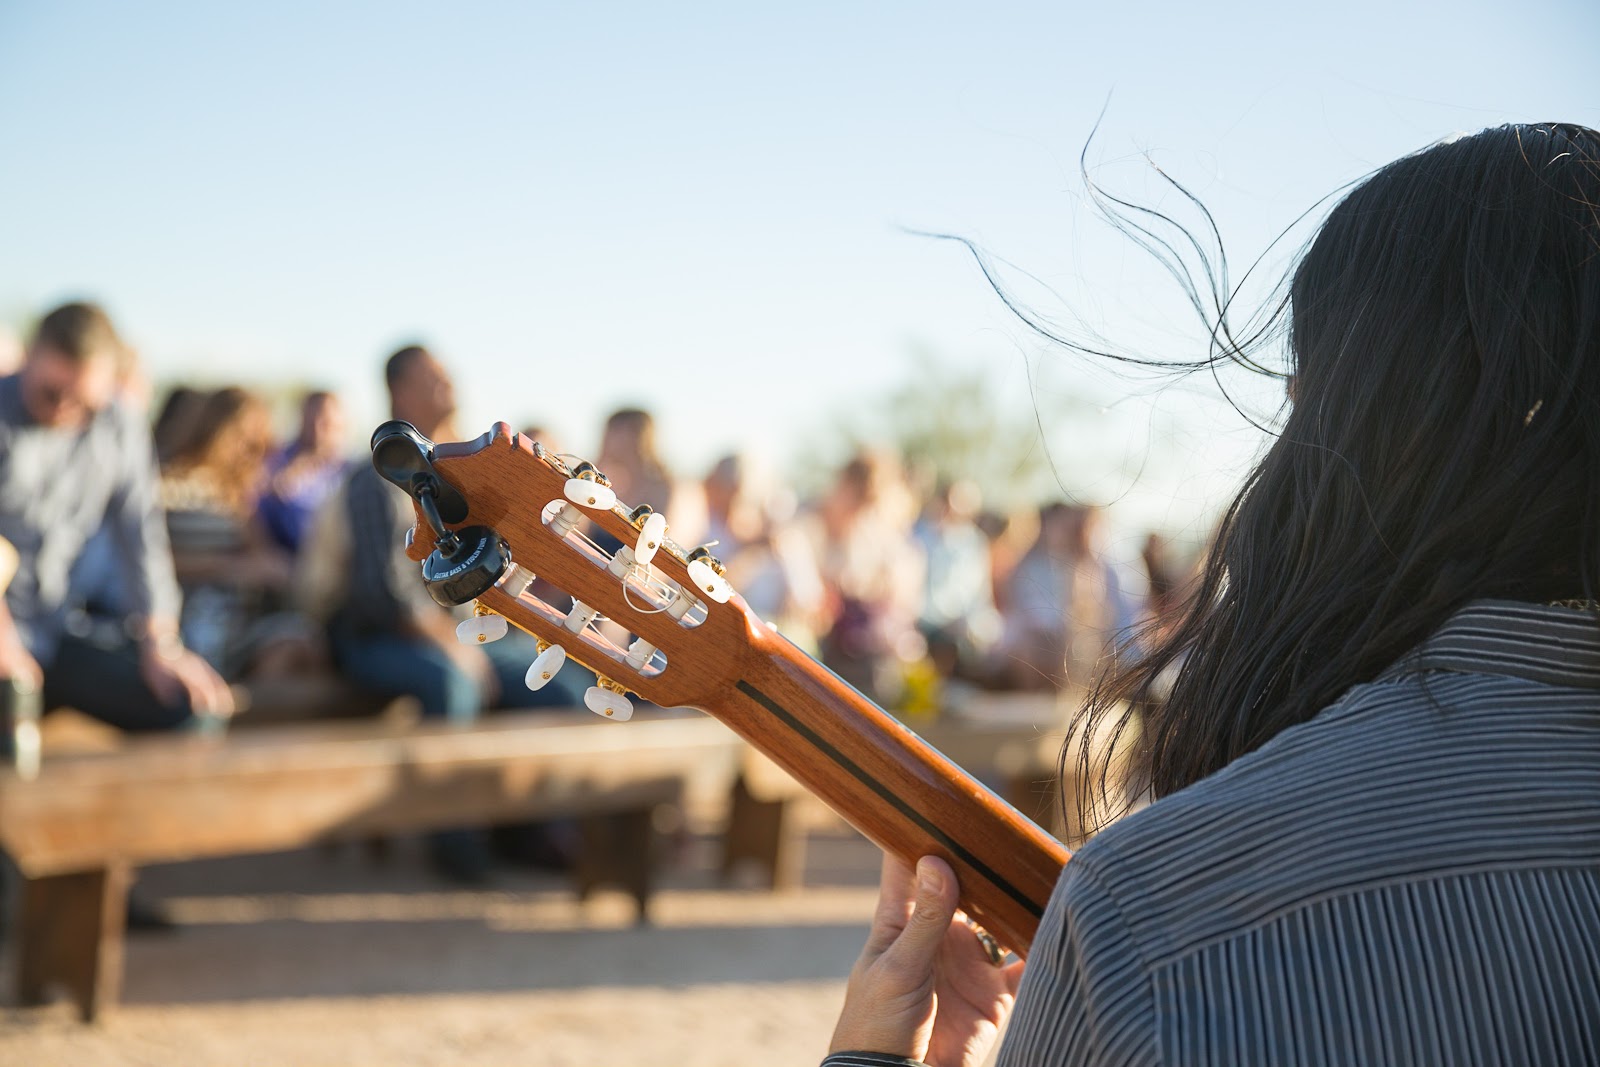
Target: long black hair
{"type": "Point", "coordinates": [1443, 445]}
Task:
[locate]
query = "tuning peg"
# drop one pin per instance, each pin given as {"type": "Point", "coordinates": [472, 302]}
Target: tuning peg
{"type": "Point", "coordinates": [580, 616]}
{"type": "Point", "coordinates": [622, 562]}
{"type": "Point", "coordinates": [640, 653]}
{"type": "Point", "coordinates": [680, 606]}
{"type": "Point", "coordinates": [516, 580]}
{"type": "Point", "coordinates": [481, 629]}
{"type": "Point", "coordinates": [561, 518]}
{"type": "Point", "coordinates": [608, 699]}
{"type": "Point", "coordinates": [705, 571]}
{"type": "Point", "coordinates": [545, 665]}
{"type": "Point", "coordinates": [589, 488]}
{"type": "Point", "coordinates": [652, 531]}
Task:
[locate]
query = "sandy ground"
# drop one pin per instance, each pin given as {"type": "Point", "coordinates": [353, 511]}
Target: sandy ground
{"type": "Point", "coordinates": [317, 958]}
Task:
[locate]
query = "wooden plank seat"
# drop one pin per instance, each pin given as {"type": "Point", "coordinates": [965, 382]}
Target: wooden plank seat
{"type": "Point", "coordinates": [78, 830]}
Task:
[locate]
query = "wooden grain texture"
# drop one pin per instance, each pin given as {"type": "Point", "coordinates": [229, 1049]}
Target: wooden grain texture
{"type": "Point", "coordinates": [864, 764]}
{"type": "Point", "coordinates": [72, 938]}
{"type": "Point", "coordinates": [166, 799]}
{"type": "Point", "coordinates": [77, 830]}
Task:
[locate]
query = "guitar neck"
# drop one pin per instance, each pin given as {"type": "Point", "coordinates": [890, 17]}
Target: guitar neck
{"type": "Point", "coordinates": [874, 772]}
{"type": "Point", "coordinates": [892, 786]}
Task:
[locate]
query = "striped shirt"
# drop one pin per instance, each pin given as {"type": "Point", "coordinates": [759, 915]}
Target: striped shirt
{"type": "Point", "coordinates": [382, 594]}
{"type": "Point", "coordinates": [1412, 877]}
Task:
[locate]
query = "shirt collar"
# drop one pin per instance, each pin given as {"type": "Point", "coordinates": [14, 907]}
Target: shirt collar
{"type": "Point", "coordinates": [1552, 645]}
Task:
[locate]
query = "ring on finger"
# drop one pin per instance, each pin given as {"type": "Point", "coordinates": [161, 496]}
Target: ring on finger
{"type": "Point", "coordinates": [992, 950]}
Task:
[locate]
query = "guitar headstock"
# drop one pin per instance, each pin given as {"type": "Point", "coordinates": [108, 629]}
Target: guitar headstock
{"type": "Point", "coordinates": [495, 512]}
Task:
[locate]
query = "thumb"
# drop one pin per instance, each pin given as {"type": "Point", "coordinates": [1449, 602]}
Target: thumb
{"type": "Point", "coordinates": [914, 950]}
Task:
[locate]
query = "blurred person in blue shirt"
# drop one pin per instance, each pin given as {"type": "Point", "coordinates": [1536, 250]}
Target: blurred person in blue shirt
{"type": "Point", "coordinates": [305, 472]}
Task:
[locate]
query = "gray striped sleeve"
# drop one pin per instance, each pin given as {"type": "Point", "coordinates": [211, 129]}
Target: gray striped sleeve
{"type": "Point", "coordinates": [1087, 994]}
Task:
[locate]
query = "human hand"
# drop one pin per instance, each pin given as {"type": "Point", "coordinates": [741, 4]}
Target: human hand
{"type": "Point", "coordinates": [924, 987]}
{"type": "Point", "coordinates": [17, 663]}
{"type": "Point", "coordinates": [173, 674]}
{"type": "Point", "coordinates": [475, 663]}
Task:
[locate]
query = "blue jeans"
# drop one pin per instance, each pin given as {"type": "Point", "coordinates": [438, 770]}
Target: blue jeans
{"type": "Point", "coordinates": [391, 665]}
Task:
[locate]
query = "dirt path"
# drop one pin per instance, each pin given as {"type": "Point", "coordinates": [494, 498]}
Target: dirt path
{"type": "Point", "coordinates": [307, 958]}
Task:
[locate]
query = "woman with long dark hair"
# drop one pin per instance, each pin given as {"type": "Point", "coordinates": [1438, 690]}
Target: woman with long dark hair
{"type": "Point", "coordinates": [1375, 836]}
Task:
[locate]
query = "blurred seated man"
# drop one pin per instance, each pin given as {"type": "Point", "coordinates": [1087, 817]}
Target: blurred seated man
{"type": "Point", "coordinates": [389, 637]}
{"type": "Point", "coordinates": [387, 634]}
{"type": "Point", "coordinates": [72, 458]}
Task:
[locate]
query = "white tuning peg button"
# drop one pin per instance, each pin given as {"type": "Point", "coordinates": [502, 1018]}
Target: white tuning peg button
{"type": "Point", "coordinates": [608, 704]}
{"type": "Point", "coordinates": [651, 534]}
{"type": "Point", "coordinates": [481, 629]}
{"type": "Point", "coordinates": [545, 666]}
{"type": "Point", "coordinates": [709, 582]}
{"type": "Point", "coordinates": [589, 494]}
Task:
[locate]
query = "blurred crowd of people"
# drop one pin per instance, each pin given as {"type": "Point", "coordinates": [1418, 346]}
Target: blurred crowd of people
{"type": "Point", "coordinates": [165, 560]}
{"type": "Point", "coordinates": [288, 557]}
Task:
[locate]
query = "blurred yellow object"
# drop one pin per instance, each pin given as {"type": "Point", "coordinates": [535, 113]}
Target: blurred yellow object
{"type": "Point", "coordinates": [921, 690]}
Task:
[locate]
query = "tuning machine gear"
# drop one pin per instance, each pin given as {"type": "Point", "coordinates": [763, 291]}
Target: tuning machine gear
{"type": "Point", "coordinates": [589, 488]}
{"type": "Point", "coordinates": [706, 572]}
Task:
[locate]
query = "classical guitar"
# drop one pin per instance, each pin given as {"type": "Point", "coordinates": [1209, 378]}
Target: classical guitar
{"type": "Point", "coordinates": [494, 512]}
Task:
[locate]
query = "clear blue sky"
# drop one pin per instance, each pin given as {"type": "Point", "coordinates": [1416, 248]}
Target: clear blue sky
{"type": "Point", "coordinates": [695, 207]}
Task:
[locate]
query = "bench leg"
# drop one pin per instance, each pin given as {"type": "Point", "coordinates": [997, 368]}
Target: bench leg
{"type": "Point", "coordinates": [767, 832]}
{"type": "Point", "coordinates": [71, 936]}
{"type": "Point", "coordinates": [618, 849]}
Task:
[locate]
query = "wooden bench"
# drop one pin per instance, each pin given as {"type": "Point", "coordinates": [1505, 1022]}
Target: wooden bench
{"type": "Point", "coordinates": [78, 830]}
